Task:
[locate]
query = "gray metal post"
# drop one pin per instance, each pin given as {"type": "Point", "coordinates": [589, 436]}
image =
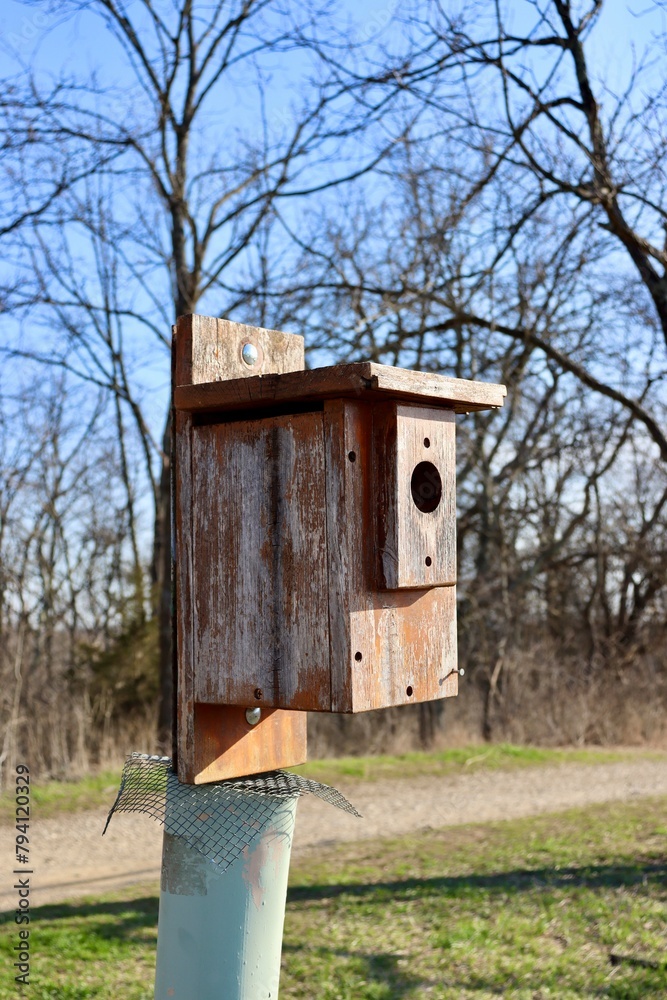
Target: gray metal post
{"type": "Point", "coordinates": [220, 935]}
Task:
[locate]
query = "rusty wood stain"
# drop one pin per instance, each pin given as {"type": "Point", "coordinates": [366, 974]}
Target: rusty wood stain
{"type": "Point", "coordinates": [226, 745]}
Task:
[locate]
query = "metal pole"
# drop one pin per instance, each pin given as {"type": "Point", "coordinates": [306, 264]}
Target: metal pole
{"type": "Point", "coordinates": [220, 934]}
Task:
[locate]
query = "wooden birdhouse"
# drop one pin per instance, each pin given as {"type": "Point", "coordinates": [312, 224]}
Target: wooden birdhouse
{"type": "Point", "coordinates": [315, 541]}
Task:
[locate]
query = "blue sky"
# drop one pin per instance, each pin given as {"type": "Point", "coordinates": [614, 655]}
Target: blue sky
{"type": "Point", "coordinates": [40, 31]}
{"type": "Point", "coordinates": [81, 44]}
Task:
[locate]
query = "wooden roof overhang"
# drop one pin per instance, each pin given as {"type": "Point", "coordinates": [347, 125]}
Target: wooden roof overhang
{"type": "Point", "coordinates": [363, 380]}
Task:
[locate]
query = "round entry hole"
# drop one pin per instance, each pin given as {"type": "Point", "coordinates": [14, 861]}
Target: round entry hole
{"type": "Point", "coordinates": [426, 486]}
{"type": "Point", "coordinates": [408, 690]}
{"type": "Point", "coordinates": [428, 560]}
{"type": "Point", "coordinates": [358, 657]}
{"type": "Point", "coordinates": [352, 455]}
{"type": "Point", "coordinates": [427, 442]}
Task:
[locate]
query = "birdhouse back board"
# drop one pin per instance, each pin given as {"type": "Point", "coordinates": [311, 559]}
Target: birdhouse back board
{"type": "Point", "coordinates": [217, 741]}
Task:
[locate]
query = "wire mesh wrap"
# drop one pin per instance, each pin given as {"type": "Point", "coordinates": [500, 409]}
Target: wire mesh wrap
{"type": "Point", "coordinates": [221, 819]}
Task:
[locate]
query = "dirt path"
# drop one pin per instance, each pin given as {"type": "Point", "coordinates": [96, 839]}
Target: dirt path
{"type": "Point", "coordinates": [70, 857]}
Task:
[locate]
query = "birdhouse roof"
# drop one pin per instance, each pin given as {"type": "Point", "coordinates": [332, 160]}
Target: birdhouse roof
{"type": "Point", "coordinates": [362, 380]}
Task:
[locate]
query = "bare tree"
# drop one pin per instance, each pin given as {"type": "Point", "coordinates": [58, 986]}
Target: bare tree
{"type": "Point", "coordinates": [66, 558]}
{"type": "Point", "coordinates": [517, 233]}
{"type": "Point", "coordinates": [196, 143]}
{"type": "Point", "coordinates": [503, 218]}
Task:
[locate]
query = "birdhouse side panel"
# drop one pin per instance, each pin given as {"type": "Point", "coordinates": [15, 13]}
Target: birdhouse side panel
{"type": "Point", "coordinates": [387, 647]}
{"type": "Point", "coordinates": [259, 559]}
{"type": "Point", "coordinates": [183, 637]}
{"type": "Point", "coordinates": [351, 542]}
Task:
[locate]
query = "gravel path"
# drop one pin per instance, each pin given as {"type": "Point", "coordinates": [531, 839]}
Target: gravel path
{"type": "Point", "coordinates": [70, 857]}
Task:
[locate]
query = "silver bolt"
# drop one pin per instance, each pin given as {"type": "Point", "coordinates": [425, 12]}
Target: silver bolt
{"type": "Point", "coordinates": [250, 354]}
{"type": "Point", "coordinates": [461, 672]}
{"type": "Point", "coordinates": [253, 715]}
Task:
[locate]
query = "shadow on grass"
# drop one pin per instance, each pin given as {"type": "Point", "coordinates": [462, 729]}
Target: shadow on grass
{"type": "Point", "coordinates": [515, 881]}
{"type": "Point", "coordinates": [130, 916]}
{"type": "Point", "coordinates": [381, 968]}
{"type": "Point", "coordinates": [638, 985]}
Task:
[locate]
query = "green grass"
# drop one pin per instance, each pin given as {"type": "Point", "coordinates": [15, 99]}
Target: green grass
{"type": "Point", "coordinates": [526, 909]}
{"type": "Point", "coordinates": [462, 760]}
{"type": "Point", "coordinates": [54, 797]}
{"type": "Point", "coordinates": [51, 798]}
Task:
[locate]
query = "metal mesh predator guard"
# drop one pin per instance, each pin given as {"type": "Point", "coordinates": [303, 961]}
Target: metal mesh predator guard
{"type": "Point", "coordinates": [221, 819]}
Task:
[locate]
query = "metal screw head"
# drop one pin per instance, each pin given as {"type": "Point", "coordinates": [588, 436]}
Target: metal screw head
{"type": "Point", "coordinates": [250, 354]}
{"type": "Point", "coordinates": [253, 715]}
{"type": "Point", "coordinates": [461, 672]}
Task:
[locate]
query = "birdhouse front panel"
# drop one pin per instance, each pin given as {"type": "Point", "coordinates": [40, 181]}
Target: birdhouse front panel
{"type": "Point", "coordinates": [415, 484]}
{"type": "Point", "coordinates": [259, 534]}
{"type": "Point", "coordinates": [295, 519]}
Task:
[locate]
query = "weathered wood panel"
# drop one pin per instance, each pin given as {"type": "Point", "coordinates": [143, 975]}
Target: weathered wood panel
{"type": "Point", "coordinates": [227, 746]}
{"type": "Point", "coordinates": [210, 350]}
{"type": "Point", "coordinates": [415, 481]}
{"type": "Point", "coordinates": [415, 656]}
{"type": "Point", "coordinates": [183, 572]}
{"type": "Point", "coordinates": [387, 648]}
{"type": "Point", "coordinates": [259, 548]}
{"type": "Point", "coordinates": [440, 389]}
{"type": "Point", "coordinates": [362, 380]}
{"type": "Point", "coordinates": [205, 349]}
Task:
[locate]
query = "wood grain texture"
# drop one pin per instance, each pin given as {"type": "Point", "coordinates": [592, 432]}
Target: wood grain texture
{"type": "Point", "coordinates": [209, 350]}
{"type": "Point", "coordinates": [227, 746]}
{"type": "Point", "coordinates": [387, 648]}
{"type": "Point", "coordinates": [415, 653]}
{"type": "Point", "coordinates": [206, 349]}
{"type": "Point", "coordinates": [414, 471]}
{"type": "Point", "coordinates": [259, 547]}
{"type": "Point", "coordinates": [348, 451]}
{"type": "Point", "coordinates": [363, 380]}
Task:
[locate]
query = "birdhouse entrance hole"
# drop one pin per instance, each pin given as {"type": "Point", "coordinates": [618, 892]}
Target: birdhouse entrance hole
{"type": "Point", "coordinates": [426, 486]}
